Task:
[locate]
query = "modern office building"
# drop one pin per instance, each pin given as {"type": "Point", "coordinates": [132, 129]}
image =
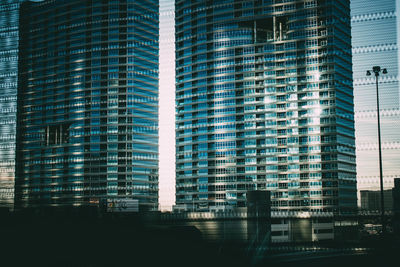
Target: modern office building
{"type": "Point", "coordinates": [396, 206]}
{"type": "Point", "coordinates": [9, 16]}
{"type": "Point", "coordinates": [396, 195]}
{"type": "Point", "coordinates": [371, 200]}
{"type": "Point", "coordinates": [264, 101]}
{"type": "Point", "coordinates": [87, 103]}
{"type": "Point", "coordinates": [375, 40]}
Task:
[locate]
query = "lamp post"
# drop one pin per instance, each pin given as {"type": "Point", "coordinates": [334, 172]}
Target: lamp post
{"type": "Point", "coordinates": [377, 70]}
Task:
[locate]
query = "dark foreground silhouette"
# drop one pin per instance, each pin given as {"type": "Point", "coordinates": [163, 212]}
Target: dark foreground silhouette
{"type": "Point", "coordinates": [88, 238]}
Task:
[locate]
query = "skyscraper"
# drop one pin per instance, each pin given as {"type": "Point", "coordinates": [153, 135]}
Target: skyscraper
{"type": "Point", "coordinates": [375, 40]}
{"type": "Point", "coordinates": [9, 14]}
{"type": "Point", "coordinates": [87, 103]}
{"type": "Point", "coordinates": [264, 101]}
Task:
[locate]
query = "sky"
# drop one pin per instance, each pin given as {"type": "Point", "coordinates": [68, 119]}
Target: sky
{"type": "Point", "coordinates": [167, 106]}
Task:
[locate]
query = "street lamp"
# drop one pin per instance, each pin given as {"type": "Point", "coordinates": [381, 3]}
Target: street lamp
{"type": "Point", "coordinates": [376, 70]}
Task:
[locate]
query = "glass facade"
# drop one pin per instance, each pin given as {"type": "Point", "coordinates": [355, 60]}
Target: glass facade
{"type": "Point", "coordinates": [264, 101]}
{"type": "Point", "coordinates": [375, 40]}
{"type": "Point", "coordinates": [9, 13]}
{"type": "Point", "coordinates": [88, 103]}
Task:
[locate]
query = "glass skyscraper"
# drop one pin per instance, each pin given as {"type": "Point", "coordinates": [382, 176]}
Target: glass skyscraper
{"type": "Point", "coordinates": [9, 14]}
{"type": "Point", "coordinates": [375, 40]}
{"type": "Point", "coordinates": [87, 103]}
{"type": "Point", "coordinates": [264, 101]}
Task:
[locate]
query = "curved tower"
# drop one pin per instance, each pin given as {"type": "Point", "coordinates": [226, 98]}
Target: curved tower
{"type": "Point", "coordinates": [9, 17]}
{"type": "Point", "coordinates": [88, 103]}
{"type": "Point", "coordinates": [264, 101]}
